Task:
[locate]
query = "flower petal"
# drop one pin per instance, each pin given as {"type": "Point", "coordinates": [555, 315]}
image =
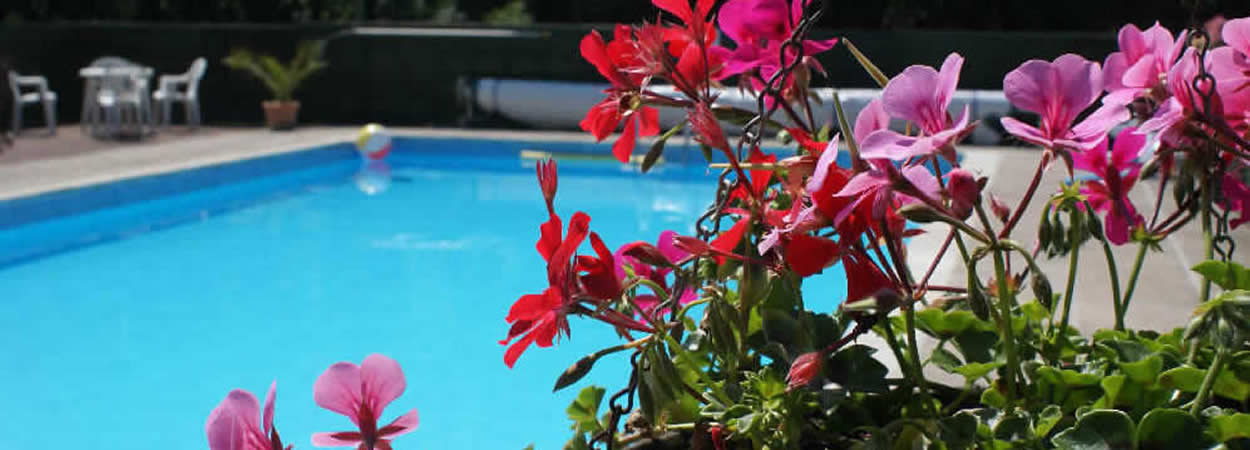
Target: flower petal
{"type": "Point", "coordinates": [267, 417]}
{"type": "Point", "coordinates": [910, 93]}
{"type": "Point", "coordinates": [624, 146]}
{"type": "Point", "coordinates": [382, 381]}
{"type": "Point", "coordinates": [232, 424]}
{"type": "Point", "coordinates": [339, 439]}
{"type": "Point", "coordinates": [870, 119]}
{"type": "Point", "coordinates": [338, 390]}
{"type": "Point", "coordinates": [1025, 132]}
{"type": "Point", "coordinates": [404, 424]}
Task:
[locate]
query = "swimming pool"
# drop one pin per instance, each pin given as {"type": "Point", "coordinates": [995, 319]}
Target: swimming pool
{"type": "Point", "coordinates": [127, 320]}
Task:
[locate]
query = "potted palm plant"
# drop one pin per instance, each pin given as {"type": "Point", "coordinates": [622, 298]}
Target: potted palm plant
{"type": "Point", "coordinates": [281, 79]}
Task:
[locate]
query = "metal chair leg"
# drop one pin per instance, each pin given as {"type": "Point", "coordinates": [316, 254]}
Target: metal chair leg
{"type": "Point", "coordinates": [49, 115]}
{"type": "Point", "coordinates": [17, 118]}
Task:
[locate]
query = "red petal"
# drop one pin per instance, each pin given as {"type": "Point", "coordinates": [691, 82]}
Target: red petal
{"type": "Point", "coordinates": [550, 238]}
{"type": "Point", "coordinates": [808, 255]}
{"type": "Point", "coordinates": [624, 146]}
{"type": "Point", "coordinates": [729, 240]}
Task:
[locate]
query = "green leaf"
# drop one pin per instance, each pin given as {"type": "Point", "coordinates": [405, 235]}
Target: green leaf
{"type": "Point", "coordinates": [855, 369]}
{"type": "Point", "coordinates": [1189, 379]}
{"type": "Point", "coordinates": [976, 371]}
{"type": "Point", "coordinates": [1226, 428]}
{"type": "Point", "coordinates": [993, 398]}
{"type": "Point", "coordinates": [958, 431]}
{"type": "Point", "coordinates": [977, 346]}
{"type": "Point", "coordinates": [1145, 371]}
{"type": "Point", "coordinates": [1098, 429]}
{"type": "Point", "coordinates": [1047, 419]}
{"type": "Point", "coordinates": [585, 408]}
{"type": "Point", "coordinates": [945, 360]}
{"type": "Point", "coordinates": [1228, 275]}
{"type": "Point", "coordinates": [1111, 387]}
{"type": "Point", "coordinates": [1014, 428]}
{"type": "Point", "coordinates": [1163, 429]}
{"type": "Point", "coordinates": [948, 324]}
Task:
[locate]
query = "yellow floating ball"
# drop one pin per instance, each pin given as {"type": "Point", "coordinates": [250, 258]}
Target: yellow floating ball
{"type": "Point", "coordinates": [374, 142]}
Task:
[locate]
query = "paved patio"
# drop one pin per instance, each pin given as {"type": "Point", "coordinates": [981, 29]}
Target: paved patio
{"type": "Point", "coordinates": [1166, 294]}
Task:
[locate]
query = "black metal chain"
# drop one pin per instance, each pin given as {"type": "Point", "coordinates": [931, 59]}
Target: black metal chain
{"type": "Point", "coordinates": [616, 410]}
{"type": "Point", "coordinates": [1204, 86]}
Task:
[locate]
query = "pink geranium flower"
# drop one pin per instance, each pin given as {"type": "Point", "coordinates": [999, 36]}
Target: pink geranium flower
{"type": "Point", "coordinates": [656, 271]}
{"type": "Point", "coordinates": [759, 27]}
{"type": "Point", "coordinates": [361, 393]}
{"type": "Point", "coordinates": [232, 424]}
{"type": "Point", "coordinates": [1117, 171]}
{"type": "Point", "coordinates": [1141, 64]}
{"type": "Point", "coordinates": [1059, 91]}
{"type": "Point", "coordinates": [920, 95]}
{"type": "Point", "coordinates": [1236, 198]}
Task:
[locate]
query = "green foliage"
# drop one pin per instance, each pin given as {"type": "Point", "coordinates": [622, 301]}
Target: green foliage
{"type": "Point", "coordinates": [281, 79]}
{"type": "Point", "coordinates": [512, 13]}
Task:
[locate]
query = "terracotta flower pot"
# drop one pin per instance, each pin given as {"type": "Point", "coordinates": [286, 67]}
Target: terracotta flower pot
{"type": "Point", "coordinates": [280, 115]}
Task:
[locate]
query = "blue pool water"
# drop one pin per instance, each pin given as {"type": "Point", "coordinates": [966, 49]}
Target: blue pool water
{"type": "Point", "coordinates": [123, 327]}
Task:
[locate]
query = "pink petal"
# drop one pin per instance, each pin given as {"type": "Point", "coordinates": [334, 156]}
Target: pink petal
{"type": "Point", "coordinates": [382, 381]}
{"type": "Point", "coordinates": [232, 425]}
{"type": "Point", "coordinates": [1236, 34]}
{"type": "Point", "coordinates": [338, 390]}
{"type": "Point", "coordinates": [1132, 42]}
{"type": "Point", "coordinates": [1113, 71]}
{"type": "Point", "coordinates": [1025, 132]}
{"type": "Point", "coordinates": [267, 418]}
{"type": "Point", "coordinates": [1027, 87]}
{"type": "Point", "coordinates": [870, 119]}
{"type": "Point", "coordinates": [948, 78]}
{"type": "Point", "coordinates": [828, 159]}
{"type": "Point", "coordinates": [911, 93]}
{"type": "Point", "coordinates": [1158, 39]}
{"type": "Point", "coordinates": [1102, 120]}
{"type": "Point", "coordinates": [339, 439]}
{"type": "Point", "coordinates": [1143, 73]}
{"type": "Point", "coordinates": [922, 178]}
{"type": "Point", "coordinates": [668, 248]}
{"type": "Point", "coordinates": [1169, 113]}
{"type": "Point", "coordinates": [404, 424]}
{"type": "Point", "coordinates": [1117, 228]}
{"type": "Point", "coordinates": [862, 182]}
{"type": "Point", "coordinates": [1128, 145]}
{"type": "Point", "coordinates": [1081, 83]}
{"type": "Point", "coordinates": [886, 144]}
{"type": "Point", "coordinates": [1093, 160]}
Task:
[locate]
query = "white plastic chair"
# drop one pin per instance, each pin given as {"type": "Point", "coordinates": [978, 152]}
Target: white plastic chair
{"type": "Point", "coordinates": [40, 95]}
{"type": "Point", "coordinates": [168, 92]}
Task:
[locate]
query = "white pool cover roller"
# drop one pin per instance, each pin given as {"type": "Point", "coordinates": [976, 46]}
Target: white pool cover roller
{"type": "Point", "coordinates": [561, 105]}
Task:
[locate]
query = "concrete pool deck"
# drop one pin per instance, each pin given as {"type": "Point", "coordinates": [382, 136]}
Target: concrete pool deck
{"type": "Point", "coordinates": [1166, 295]}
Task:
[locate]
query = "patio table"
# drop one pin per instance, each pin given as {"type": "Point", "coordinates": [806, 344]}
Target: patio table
{"type": "Point", "coordinates": [110, 90]}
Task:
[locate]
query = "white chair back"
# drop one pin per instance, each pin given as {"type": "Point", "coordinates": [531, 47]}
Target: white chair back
{"type": "Point", "coordinates": [17, 92]}
{"type": "Point", "coordinates": [198, 67]}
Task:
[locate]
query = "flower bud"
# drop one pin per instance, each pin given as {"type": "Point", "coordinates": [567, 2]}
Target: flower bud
{"type": "Point", "coordinates": [1000, 209]}
{"type": "Point", "coordinates": [692, 245]}
{"type": "Point", "coordinates": [707, 130]}
{"type": "Point", "coordinates": [804, 369]}
{"type": "Point", "coordinates": [547, 180]}
{"type": "Point", "coordinates": [964, 192]}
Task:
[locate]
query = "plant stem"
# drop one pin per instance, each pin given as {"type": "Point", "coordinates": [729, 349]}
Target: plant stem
{"type": "Point", "coordinates": [1028, 195]}
{"type": "Point", "coordinates": [1073, 258]}
{"type": "Point", "coordinates": [1005, 301]}
{"type": "Point", "coordinates": [1132, 282]}
{"type": "Point", "coordinates": [909, 317]}
{"type": "Point", "coordinates": [1117, 303]}
{"type": "Point", "coordinates": [1208, 382]}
